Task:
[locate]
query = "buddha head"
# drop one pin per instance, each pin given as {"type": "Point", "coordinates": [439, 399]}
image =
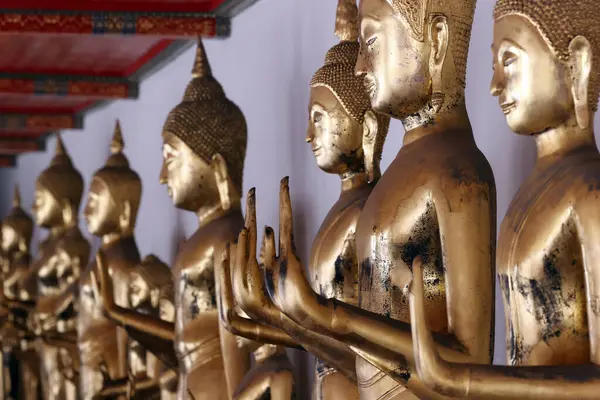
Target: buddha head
{"type": "Point", "coordinates": [115, 193]}
{"type": "Point", "coordinates": [414, 55]}
{"type": "Point", "coordinates": [204, 144]}
{"type": "Point", "coordinates": [340, 114]}
{"type": "Point", "coordinates": [17, 228]}
{"type": "Point", "coordinates": [546, 63]}
{"type": "Point", "coordinates": [146, 283]}
{"type": "Point", "coordinates": [58, 191]}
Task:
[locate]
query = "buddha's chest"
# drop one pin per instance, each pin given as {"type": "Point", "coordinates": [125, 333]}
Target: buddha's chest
{"type": "Point", "coordinates": [333, 267]}
{"type": "Point", "coordinates": [195, 281]}
{"type": "Point", "coordinates": [540, 266]}
{"type": "Point", "coordinates": [391, 233]}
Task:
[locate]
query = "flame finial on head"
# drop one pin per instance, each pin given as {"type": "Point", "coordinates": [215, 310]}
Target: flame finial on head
{"type": "Point", "coordinates": [117, 144]}
{"type": "Point", "coordinates": [60, 146]}
{"type": "Point", "coordinates": [201, 67]}
{"type": "Point", "coordinates": [346, 20]}
{"type": "Point", "coordinates": [16, 197]}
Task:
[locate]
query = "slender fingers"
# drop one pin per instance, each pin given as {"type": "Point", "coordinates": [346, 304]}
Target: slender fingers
{"type": "Point", "coordinates": [225, 291]}
{"type": "Point", "coordinates": [251, 222]}
{"type": "Point", "coordinates": [269, 265]}
{"type": "Point", "coordinates": [286, 229]}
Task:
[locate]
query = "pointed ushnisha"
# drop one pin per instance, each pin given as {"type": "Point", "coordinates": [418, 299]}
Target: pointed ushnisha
{"type": "Point", "coordinates": [117, 144]}
{"type": "Point", "coordinates": [346, 20]}
{"type": "Point", "coordinates": [60, 147]}
{"type": "Point", "coordinates": [201, 65]}
{"type": "Point", "coordinates": [17, 197]}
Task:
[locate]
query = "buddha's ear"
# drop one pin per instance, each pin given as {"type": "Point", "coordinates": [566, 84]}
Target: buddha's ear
{"type": "Point", "coordinates": [369, 143]}
{"type": "Point", "coordinates": [227, 191]}
{"type": "Point", "coordinates": [439, 40]}
{"type": "Point", "coordinates": [68, 214]}
{"type": "Point", "coordinates": [580, 60]}
{"type": "Point", "coordinates": [125, 217]}
{"type": "Point", "coordinates": [22, 245]}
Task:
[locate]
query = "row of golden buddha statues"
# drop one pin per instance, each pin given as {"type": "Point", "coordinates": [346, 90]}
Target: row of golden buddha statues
{"type": "Point", "coordinates": [399, 298]}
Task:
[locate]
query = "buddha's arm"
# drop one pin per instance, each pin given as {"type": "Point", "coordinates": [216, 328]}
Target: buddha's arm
{"type": "Point", "coordinates": [356, 327]}
{"type": "Point", "coordinates": [492, 382]}
{"type": "Point", "coordinates": [131, 320]}
{"type": "Point", "coordinates": [154, 334]}
{"type": "Point", "coordinates": [237, 324]}
{"type": "Point", "coordinates": [250, 294]}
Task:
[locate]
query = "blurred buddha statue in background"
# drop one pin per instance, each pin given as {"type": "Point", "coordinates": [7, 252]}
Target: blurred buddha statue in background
{"type": "Point", "coordinates": [19, 293]}
{"type": "Point", "coordinates": [146, 297]}
{"type": "Point", "coordinates": [110, 213]}
{"type": "Point", "coordinates": [58, 193]}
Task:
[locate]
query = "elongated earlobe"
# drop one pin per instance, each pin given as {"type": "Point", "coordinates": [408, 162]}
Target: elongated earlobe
{"type": "Point", "coordinates": [580, 60]}
{"type": "Point", "coordinates": [438, 37]}
{"type": "Point", "coordinates": [369, 143]}
{"type": "Point", "coordinates": [125, 217]}
{"type": "Point", "coordinates": [227, 192]}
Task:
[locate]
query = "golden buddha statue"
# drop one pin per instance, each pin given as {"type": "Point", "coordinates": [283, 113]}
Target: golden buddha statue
{"type": "Point", "coordinates": [437, 195]}
{"type": "Point", "coordinates": [204, 138]}
{"type": "Point", "coordinates": [18, 296]}
{"type": "Point", "coordinates": [110, 213]}
{"type": "Point", "coordinates": [547, 80]}
{"type": "Point", "coordinates": [58, 194]}
{"type": "Point", "coordinates": [340, 115]}
{"type": "Point", "coordinates": [147, 285]}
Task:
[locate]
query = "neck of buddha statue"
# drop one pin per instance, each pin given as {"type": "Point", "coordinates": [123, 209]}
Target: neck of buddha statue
{"type": "Point", "coordinates": [212, 212]}
{"type": "Point", "coordinates": [563, 139]}
{"type": "Point", "coordinates": [353, 180]}
{"type": "Point", "coordinates": [447, 119]}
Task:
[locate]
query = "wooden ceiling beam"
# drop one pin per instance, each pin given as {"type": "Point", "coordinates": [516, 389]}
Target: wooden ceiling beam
{"type": "Point", "coordinates": [8, 161]}
{"type": "Point", "coordinates": [114, 23]}
{"type": "Point", "coordinates": [12, 147]}
{"type": "Point", "coordinates": [32, 122]}
{"type": "Point", "coordinates": [92, 87]}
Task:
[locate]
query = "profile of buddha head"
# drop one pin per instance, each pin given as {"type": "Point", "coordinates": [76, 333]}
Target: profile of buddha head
{"type": "Point", "coordinates": [340, 114]}
{"type": "Point", "coordinates": [204, 144]}
{"type": "Point", "coordinates": [58, 191]}
{"type": "Point", "coordinates": [146, 283]}
{"type": "Point", "coordinates": [546, 63]}
{"type": "Point", "coordinates": [414, 55]}
{"type": "Point", "coordinates": [115, 193]}
{"type": "Point", "coordinates": [17, 228]}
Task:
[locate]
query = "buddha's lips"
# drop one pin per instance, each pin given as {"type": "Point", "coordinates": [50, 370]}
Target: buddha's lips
{"type": "Point", "coordinates": [507, 108]}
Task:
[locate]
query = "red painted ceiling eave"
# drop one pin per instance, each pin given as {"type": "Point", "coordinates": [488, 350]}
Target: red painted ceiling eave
{"type": "Point", "coordinates": [190, 6]}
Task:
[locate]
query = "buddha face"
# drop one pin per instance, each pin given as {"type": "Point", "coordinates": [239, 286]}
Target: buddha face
{"type": "Point", "coordinates": [46, 208]}
{"type": "Point", "coordinates": [139, 292]}
{"type": "Point", "coordinates": [100, 211]}
{"type": "Point", "coordinates": [166, 310]}
{"type": "Point", "coordinates": [335, 138]}
{"type": "Point", "coordinates": [394, 63]}
{"type": "Point", "coordinates": [10, 238]}
{"type": "Point", "coordinates": [531, 83]}
{"type": "Point", "coordinates": [189, 179]}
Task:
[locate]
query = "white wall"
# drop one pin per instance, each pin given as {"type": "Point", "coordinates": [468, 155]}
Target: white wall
{"type": "Point", "coordinates": [265, 67]}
